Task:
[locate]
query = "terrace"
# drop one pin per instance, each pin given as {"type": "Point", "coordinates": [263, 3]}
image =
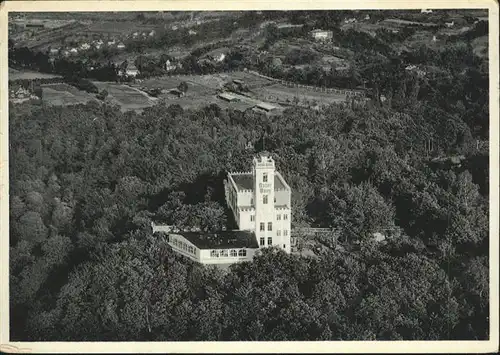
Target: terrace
{"type": "Point", "coordinates": [221, 239]}
{"type": "Point", "coordinates": [245, 181]}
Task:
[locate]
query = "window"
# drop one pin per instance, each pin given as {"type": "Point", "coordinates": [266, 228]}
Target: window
{"type": "Point", "coordinates": [285, 216]}
{"type": "Point", "coordinates": [233, 253]}
{"type": "Point", "coordinates": [262, 226]}
{"type": "Point", "coordinates": [252, 218]}
{"type": "Point", "coordinates": [285, 232]}
{"type": "Point", "coordinates": [262, 240]}
{"type": "Point", "coordinates": [264, 199]}
{"type": "Point", "coordinates": [264, 177]}
{"type": "Point", "coordinates": [191, 249]}
{"type": "Point", "coordinates": [284, 246]}
{"type": "Point", "coordinates": [242, 252]}
{"type": "Point", "coordinates": [213, 254]}
{"type": "Point", "coordinates": [224, 253]}
{"type": "Point", "coordinates": [269, 241]}
{"type": "Point", "coordinates": [278, 233]}
{"type": "Point", "coordinates": [251, 202]}
{"type": "Point", "coordinates": [278, 217]}
{"type": "Point", "coordinates": [275, 200]}
{"type": "Point", "coordinates": [269, 226]}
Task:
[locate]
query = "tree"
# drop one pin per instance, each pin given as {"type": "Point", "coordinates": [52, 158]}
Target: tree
{"type": "Point", "coordinates": [31, 227]}
{"type": "Point", "coordinates": [183, 87]}
{"type": "Point", "coordinates": [102, 95]}
{"type": "Point", "coordinates": [359, 211]}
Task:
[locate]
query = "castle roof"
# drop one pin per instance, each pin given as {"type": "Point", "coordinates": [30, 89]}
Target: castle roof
{"type": "Point", "coordinates": [222, 239]}
{"type": "Point", "coordinates": [245, 181]}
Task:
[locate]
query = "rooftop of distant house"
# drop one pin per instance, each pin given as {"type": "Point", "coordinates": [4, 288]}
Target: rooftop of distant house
{"type": "Point", "coordinates": [217, 52]}
{"type": "Point", "coordinates": [266, 106]}
{"type": "Point", "coordinates": [245, 181]}
{"type": "Point", "coordinates": [227, 96]}
{"type": "Point", "coordinates": [222, 239]}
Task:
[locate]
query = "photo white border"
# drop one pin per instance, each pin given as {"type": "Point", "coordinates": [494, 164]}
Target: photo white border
{"type": "Point", "coordinates": [250, 347]}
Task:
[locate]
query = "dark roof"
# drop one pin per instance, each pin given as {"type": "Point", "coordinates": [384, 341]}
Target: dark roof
{"type": "Point", "coordinates": [245, 182]}
{"type": "Point", "coordinates": [222, 239]}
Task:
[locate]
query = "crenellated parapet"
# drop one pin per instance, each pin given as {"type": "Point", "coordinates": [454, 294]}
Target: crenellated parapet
{"type": "Point", "coordinates": [247, 209]}
{"type": "Point", "coordinates": [245, 191]}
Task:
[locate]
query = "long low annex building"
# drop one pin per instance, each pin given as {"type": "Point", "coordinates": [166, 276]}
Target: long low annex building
{"type": "Point", "coordinates": [215, 248]}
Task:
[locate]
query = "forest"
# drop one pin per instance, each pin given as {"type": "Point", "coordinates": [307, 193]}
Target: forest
{"type": "Point", "coordinates": [87, 180]}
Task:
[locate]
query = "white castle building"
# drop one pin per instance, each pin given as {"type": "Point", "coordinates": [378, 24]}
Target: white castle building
{"type": "Point", "coordinates": [260, 201]}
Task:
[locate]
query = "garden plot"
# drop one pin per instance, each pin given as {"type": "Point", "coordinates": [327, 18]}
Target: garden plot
{"type": "Point", "coordinates": [129, 98]}
{"type": "Point", "coordinates": [64, 94]}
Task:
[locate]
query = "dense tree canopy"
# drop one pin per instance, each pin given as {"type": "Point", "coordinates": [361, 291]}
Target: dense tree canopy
{"type": "Point", "coordinates": [87, 180]}
{"type": "Point", "coordinates": [85, 266]}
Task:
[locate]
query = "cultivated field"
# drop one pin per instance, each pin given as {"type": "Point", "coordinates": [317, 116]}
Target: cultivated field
{"type": "Point", "coordinates": [129, 98]}
{"type": "Point", "coordinates": [64, 94]}
{"type": "Point", "coordinates": [28, 75]}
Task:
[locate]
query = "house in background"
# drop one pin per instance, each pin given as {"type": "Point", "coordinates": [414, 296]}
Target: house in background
{"type": "Point", "coordinates": [322, 35]}
{"type": "Point", "coordinates": [132, 71]}
{"type": "Point", "coordinates": [217, 55]}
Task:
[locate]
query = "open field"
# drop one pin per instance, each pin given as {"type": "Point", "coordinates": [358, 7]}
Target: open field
{"type": "Point", "coordinates": [119, 27]}
{"type": "Point", "coordinates": [281, 93]}
{"type": "Point", "coordinates": [15, 74]}
{"type": "Point", "coordinates": [209, 81]}
{"type": "Point", "coordinates": [64, 94]}
{"type": "Point", "coordinates": [202, 90]}
{"type": "Point", "coordinates": [127, 97]}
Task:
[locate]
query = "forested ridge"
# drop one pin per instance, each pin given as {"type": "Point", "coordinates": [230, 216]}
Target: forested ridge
{"type": "Point", "coordinates": [87, 180]}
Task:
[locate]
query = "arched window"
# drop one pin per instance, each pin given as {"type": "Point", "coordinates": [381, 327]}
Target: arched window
{"type": "Point", "coordinates": [233, 252]}
{"type": "Point", "coordinates": [264, 199]}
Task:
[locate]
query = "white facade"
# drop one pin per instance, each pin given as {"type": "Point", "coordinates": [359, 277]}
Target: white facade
{"type": "Point", "coordinates": [261, 202]}
{"type": "Point", "coordinates": [322, 35]}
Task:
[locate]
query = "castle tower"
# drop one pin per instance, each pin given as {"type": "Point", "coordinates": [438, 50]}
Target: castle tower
{"type": "Point", "coordinates": [263, 177]}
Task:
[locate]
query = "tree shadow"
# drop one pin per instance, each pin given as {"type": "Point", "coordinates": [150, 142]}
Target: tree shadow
{"type": "Point", "coordinates": [206, 187]}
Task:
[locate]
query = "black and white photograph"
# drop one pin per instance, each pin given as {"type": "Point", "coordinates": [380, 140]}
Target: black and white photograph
{"type": "Point", "coordinates": [249, 176]}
